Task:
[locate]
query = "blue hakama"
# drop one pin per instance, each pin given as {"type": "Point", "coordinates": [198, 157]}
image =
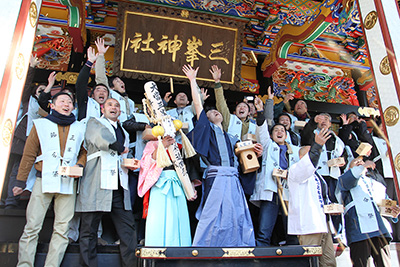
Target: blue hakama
{"type": "Point", "coordinates": [167, 222]}
{"type": "Point", "coordinates": [224, 217]}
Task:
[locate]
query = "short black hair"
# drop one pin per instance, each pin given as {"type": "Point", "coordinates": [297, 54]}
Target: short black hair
{"type": "Point", "coordinates": [285, 114]}
{"type": "Point", "coordinates": [54, 98]}
{"type": "Point", "coordinates": [111, 81]}
{"type": "Point", "coordinates": [208, 108]}
{"type": "Point", "coordinates": [275, 125]}
{"type": "Point", "coordinates": [100, 84]}
{"type": "Point", "coordinates": [243, 103]}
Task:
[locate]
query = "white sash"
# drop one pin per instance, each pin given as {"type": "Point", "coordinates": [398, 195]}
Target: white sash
{"type": "Point", "coordinates": [364, 206]}
{"type": "Point", "coordinates": [111, 162]}
{"type": "Point", "coordinates": [272, 161]}
{"type": "Point", "coordinates": [235, 127]}
{"type": "Point", "coordinates": [333, 171]}
{"type": "Point", "coordinates": [49, 139]}
{"type": "Point", "coordinates": [382, 149]}
{"type": "Point", "coordinates": [92, 109]}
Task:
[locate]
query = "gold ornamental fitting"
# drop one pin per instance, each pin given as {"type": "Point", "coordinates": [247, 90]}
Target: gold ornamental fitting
{"type": "Point", "coordinates": [195, 253]}
{"type": "Point", "coordinates": [370, 20]}
{"type": "Point", "coordinates": [278, 251]}
{"type": "Point", "coordinates": [384, 66]}
{"type": "Point", "coordinates": [20, 66]}
{"type": "Point", "coordinates": [312, 250]}
{"type": "Point", "coordinates": [137, 252]}
{"type": "Point", "coordinates": [238, 252]}
{"type": "Point", "coordinates": [397, 162]}
{"type": "Point", "coordinates": [153, 252]}
{"type": "Point", "coordinates": [7, 132]}
{"type": "Point", "coordinates": [391, 116]}
{"type": "Point", "coordinates": [185, 14]}
{"type": "Point", "coordinates": [33, 14]}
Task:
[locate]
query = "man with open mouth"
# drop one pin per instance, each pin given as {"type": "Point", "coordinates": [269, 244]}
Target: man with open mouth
{"type": "Point", "coordinates": [237, 124]}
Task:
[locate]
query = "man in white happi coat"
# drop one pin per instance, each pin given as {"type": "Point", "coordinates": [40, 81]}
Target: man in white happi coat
{"type": "Point", "coordinates": [117, 86]}
{"type": "Point", "coordinates": [308, 193]}
{"type": "Point", "coordinates": [90, 106]}
{"type": "Point", "coordinates": [104, 186]}
{"type": "Point", "coordinates": [183, 111]}
{"type": "Point", "coordinates": [54, 141]}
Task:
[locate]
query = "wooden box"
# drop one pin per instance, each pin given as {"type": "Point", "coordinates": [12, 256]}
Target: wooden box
{"type": "Point", "coordinates": [250, 137]}
{"type": "Point", "coordinates": [147, 135]}
{"type": "Point", "coordinates": [247, 157]}
{"type": "Point", "coordinates": [386, 208]}
{"type": "Point", "coordinates": [131, 163]}
{"type": "Point", "coordinates": [70, 170]}
{"type": "Point", "coordinates": [279, 173]}
{"type": "Point", "coordinates": [336, 162]}
{"type": "Point", "coordinates": [333, 208]}
{"type": "Point", "coordinates": [363, 149]}
{"type": "Point", "coordinates": [299, 125]}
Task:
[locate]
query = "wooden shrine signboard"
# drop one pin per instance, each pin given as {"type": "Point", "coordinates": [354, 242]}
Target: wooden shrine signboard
{"type": "Point", "coordinates": [154, 42]}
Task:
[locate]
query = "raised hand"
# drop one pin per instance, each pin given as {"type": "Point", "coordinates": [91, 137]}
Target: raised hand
{"type": "Point", "coordinates": [167, 97]}
{"type": "Point", "coordinates": [91, 55]}
{"type": "Point", "coordinates": [322, 136]}
{"type": "Point", "coordinates": [33, 61]}
{"type": "Point", "coordinates": [51, 79]}
{"type": "Point", "coordinates": [100, 46]}
{"type": "Point", "coordinates": [288, 97]}
{"type": "Point", "coordinates": [270, 93]}
{"type": "Point", "coordinates": [258, 104]}
{"type": "Point", "coordinates": [216, 73]}
{"type": "Point", "coordinates": [190, 72]}
{"type": "Point", "coordinates": [344, 119]}
{"type": "Point", "coordinates": [204, 94]}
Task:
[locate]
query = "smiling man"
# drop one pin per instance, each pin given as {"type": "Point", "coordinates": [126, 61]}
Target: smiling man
{"type": "Point", "coordinates": [117, 86]}
{"type": "Point", "coordinates": [278, 154]}
{"type": "Point", "coordinates": [104, 186]}
{"type": "Point", "coordinates": [54, 141]}
{"type": "Point", "coordinates": [239, 124]}
{"type": "Point", "coordinates": [224, 217]}
{"type": "Point", "coordinates": [90, 106]}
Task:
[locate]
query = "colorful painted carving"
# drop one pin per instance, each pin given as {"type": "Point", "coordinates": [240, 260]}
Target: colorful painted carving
{"type": "Point", "coordinates": [53, 51]}
{"type": "Point", "coordinates": [315, 86]}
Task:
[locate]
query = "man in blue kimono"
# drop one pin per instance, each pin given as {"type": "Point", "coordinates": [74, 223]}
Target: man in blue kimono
{"type": "Point", "coordinates": [224, 217]}
{"type": "Point", "coordinates": [365, 230]}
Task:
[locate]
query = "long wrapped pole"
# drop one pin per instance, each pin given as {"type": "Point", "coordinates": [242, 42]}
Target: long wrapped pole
{"type": "Point", "coordinates": [166, 122]}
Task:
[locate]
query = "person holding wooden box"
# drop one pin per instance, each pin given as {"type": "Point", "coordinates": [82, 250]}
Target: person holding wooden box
{"type": "Point", "coordinates": [365, 229]}
{"type": "Point", "coordinates": [269, 193]}
{"type": "Point", "coordinates": [54, 141]}
{"type": "Point", "coordinates": [224, 217]}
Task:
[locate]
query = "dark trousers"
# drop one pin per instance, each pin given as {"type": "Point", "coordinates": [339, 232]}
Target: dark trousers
{"type": "Point", "coordinates": [267, 223]}
{"type": "Point", "coordinates": [377, 247]}
{"type": "Point", "coordinates": [11, 200]}
{"type": "Point", "coordinates": [124, 224]}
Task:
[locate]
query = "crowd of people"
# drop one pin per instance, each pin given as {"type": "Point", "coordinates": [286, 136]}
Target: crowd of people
{"type": "Point", "coordinates": [234, 208]}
